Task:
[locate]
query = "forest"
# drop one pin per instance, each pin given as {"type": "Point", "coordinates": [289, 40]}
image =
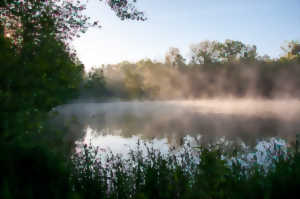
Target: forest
{"type": "Point", "coordinates": [215, 69]}
{"type": "Point", "coordinates": [40, 71]}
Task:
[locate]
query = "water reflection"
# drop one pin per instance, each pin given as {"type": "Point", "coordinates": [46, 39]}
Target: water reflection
{"type": "Point", "coordinates": [264, 152]}
{"type": "Point", "coordinates": [118, 144]}
{"type": "Point", "coordinates": [171, 122]}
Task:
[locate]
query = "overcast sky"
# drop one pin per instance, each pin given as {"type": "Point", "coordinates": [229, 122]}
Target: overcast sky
{"type": "Point", "coordinates": [180, 23]}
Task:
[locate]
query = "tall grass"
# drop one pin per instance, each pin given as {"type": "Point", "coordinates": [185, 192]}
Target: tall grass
{"type": "Point", "coordinates": [210, 171]}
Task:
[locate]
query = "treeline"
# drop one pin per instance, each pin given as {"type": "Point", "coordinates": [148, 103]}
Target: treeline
{"type": "Point", "coordinates": [215, 70]}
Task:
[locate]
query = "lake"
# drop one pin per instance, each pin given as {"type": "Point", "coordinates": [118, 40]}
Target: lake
{"type": "Point", "coordinates": [118, 125]}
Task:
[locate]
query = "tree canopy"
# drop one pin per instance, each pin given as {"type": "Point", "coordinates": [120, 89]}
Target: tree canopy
{"type": "Point", "coordinates": [65, 19]}
{"type": "Point", "coordinates": [207, 52]}
{"type": "Point", "coordinates": [39, 69]}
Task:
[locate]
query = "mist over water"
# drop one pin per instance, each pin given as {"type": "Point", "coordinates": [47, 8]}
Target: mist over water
{"type": "Point", "coordinates": [244, 120]}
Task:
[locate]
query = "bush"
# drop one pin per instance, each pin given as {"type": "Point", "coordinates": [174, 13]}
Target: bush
{"type": "Point", "coordinates": [32, 172]}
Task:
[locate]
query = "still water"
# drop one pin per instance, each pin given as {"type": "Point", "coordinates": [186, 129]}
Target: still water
{"type": "Point", "coordinates": [118, 126]}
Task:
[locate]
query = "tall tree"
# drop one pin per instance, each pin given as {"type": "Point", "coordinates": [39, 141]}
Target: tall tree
{"type": "Point", "coordinates": [38, 68]}
{"type": "Point", "coordinates": [232, 51]}
{"type": "Point", "coordinates": [174, 58]}
{"type": "Point", "coordinates": [205, 52]}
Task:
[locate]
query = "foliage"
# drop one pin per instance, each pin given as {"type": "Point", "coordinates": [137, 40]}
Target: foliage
{"type": "Point", "coordinates": [39, 70]}
{"type": "Point", "coordinates": [63, 19]}
{"type": "Point", "coordinates": [126, 10]}
{"type": "Point", "coordinates": [33, 84]}
{"type": "Point", "coordinates": [33, 172]}
{"type": "Point", "coordinates": [206, 52]}
{"type": "Point", "coordinates": [230, 51]}
{"type": "Point", "coordinates": [291, 50]}
{"type": "Point", "coordinates": [202, 173]}
{"type": "Point", "coordinates": [174, 58]}
{"type": "Point", "coordinates": [215, 70]}
{"type": "Point", "coordinates": [94, 85]}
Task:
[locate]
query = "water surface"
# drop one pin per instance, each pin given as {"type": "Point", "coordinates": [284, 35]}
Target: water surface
{"type": "Point", "coordinates": [119, 125]}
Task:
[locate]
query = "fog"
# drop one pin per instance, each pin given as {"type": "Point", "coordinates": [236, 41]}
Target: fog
{"type": "Point", "coordinates": [247, 120]}
{"type": "Point", "coordinates": [224, 90]}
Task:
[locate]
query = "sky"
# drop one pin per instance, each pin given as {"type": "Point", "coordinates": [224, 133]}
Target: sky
{"type": "Point", "coordinates": [268, 24]}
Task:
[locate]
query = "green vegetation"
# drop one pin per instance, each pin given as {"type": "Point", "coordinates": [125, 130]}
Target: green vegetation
{"type": "Point", "coordinates": [214, 171]}
{"type": "Point", "coordinates": [215, 69]}
{"type": "Point", "coordinates": [39, 71]}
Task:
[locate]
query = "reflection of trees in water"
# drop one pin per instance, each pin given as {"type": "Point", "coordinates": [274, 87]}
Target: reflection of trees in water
{"type": "Point", "coordinates": [174, 123]}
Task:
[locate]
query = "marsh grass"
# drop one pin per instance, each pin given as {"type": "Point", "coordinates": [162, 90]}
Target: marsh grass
{"type": "Point", "coordinates": [212, 171]}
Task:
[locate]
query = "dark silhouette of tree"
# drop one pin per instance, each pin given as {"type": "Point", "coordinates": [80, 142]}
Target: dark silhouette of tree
{"type": "Point", "coordinates": [126, 9]}
{"type": "Point", "coordinates": [63, 18]}
{"type": "Point", "coordinates": [39, 69]}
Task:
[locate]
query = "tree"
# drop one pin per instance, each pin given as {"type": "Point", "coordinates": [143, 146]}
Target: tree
{"type": "Point", "coordinates": [232, 50]}
{"type": "Point", "coordinates": [296, 49]}
{"type": "Point", "coordinates": [174, 58]}
{"type": "Point", "coordinates": [205, 52]}
{"type": "Point", "coordinates": [264, 58]}
{"type": "Point", "coordinates": [94, 85]}
{"type": "Point", "coordinates": [235, 51]}
{"type": "Point", "coordinates": [39, 70]}
{"type": "Point", "coordinates": [249, 53]}
{"type": "Point", "coordinates": [133, 81]}
{"type": "Point", "coordinates": [63, 18]}
{"type": "Point", "coordinates": [291, 49]}
{"type": "Point", "coordinates": [126, 10]}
